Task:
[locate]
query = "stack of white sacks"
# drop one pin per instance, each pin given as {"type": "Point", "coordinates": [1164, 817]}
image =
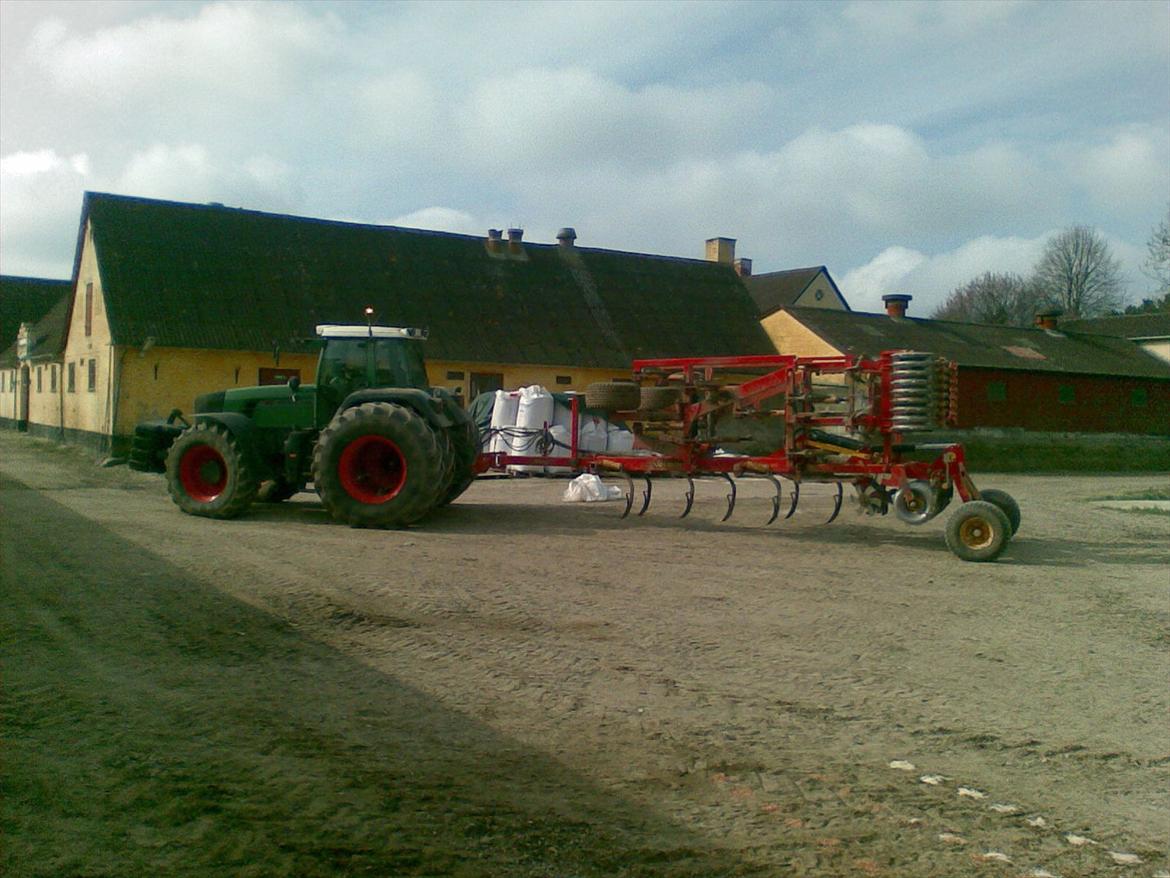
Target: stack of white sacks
{"type": "Point", "coordinates": [518, 422]}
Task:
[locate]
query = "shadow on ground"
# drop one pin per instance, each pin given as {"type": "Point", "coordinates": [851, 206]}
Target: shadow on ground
{"type": "Point", "coordinates": [155, 726]}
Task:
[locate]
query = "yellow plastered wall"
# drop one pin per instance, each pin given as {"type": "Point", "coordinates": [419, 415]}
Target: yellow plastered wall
{"type": "Point", "coordinates": [1160, 349]}
{"type": "Point", "coordinates": [8, 377]}
{"type": "Point", "coordinates": [156, 382]}
{"type": "Point", "coordinates": [44, 404]}
{"type": "Point", "coordinates": [518, 375]}
{"type": "Point", "coordinates": [790, 336]}
{"type": "Point", "coordinates": [88, 406]}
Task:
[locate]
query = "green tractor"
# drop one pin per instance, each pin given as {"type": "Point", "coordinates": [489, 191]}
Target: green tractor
{"type": "Point", "coordinates": [380, 445]}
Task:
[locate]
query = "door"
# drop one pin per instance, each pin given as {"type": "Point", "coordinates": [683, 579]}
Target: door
{"type": "Point", "coordinates": [22, 401]}
{"type": "Point", "coordinates": [484, 382]}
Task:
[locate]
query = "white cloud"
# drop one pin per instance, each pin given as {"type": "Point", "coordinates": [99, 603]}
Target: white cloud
{"type": "Point", "coordinates": [930, 279]}
{"type": "Point", "coordinates": [243, 49]}
{"type": "Point", "coordinates": [1133, 167]}
{"type": "Point", "coordinates": [39, 208]}
{"type": "Point", "coordinates": [189, 172]}
{"type": "Point", "coordinates": [440, 219]}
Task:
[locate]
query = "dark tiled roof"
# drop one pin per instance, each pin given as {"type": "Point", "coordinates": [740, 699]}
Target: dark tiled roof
{"type": "Point", "coordinates": [1124, 326]}
{"type": "Point", "coordinates": [32, 300]}
{"type": "Point", "coordinates": [974, 344]}
{"type": "Point", "coordinates": [204, 276]}
{"type": "Point", "coordinates": [27, 300]}
{"type": "Point", "coordinates": [779, 289]}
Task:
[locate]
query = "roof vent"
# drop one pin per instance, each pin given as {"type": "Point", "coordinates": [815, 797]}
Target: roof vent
{"type": "Point", "coordinates": [1047, 319]}
{"type": "Point", "coordinates": [566, 236]}
{"type": "Point", "coordinates": [495, 241]}
{"type": "Point", "coordinates": [896, 304]}
{"type": "Point", "coordinates": [515, 241]}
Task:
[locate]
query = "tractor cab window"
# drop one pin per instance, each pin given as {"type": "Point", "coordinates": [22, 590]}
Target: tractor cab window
{"type": "Point", "coordinates": [353, 364]}
{"type": "Point", "coordinates": [399, 363]}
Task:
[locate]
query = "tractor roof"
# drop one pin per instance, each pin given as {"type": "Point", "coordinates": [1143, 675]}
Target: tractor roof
{"type": "Point", "coordinates": [358, 330]}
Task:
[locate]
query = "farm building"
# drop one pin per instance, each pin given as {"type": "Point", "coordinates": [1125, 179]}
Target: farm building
{"type": "Point", "coordinates": [170, 300]}
{"type": "Point", "coordinates": [1040, 378]}
{"type": "Point", "coordinates": [798, 287]}
{"type": "Point", "coordinates": [31, 313]}
{"type": "Point", "coordinates": [1151, 331]}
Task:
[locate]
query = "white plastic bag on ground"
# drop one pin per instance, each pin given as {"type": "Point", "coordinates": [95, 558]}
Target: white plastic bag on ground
{"type": "Point", "coordinates": [588, 488]}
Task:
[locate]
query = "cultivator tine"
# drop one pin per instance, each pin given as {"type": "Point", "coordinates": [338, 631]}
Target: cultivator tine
{"type": "Point", "coordinates": [629, 493]}
{"type": "Point", "coordinates": [646, 496]}
{"type": "Point", "coordinates": [690, 497]}
{"type": "Point", "coordinates": [795, 500]}
{"type": "Point", "coordinates": [730, 497]}
{"type": "Point", "coordinates": [775, 499]}
{"type": "Point", "coordinates": [836, 504]}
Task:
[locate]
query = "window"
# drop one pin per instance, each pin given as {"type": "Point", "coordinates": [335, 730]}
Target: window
{"type": "Point", "coordinates": [89, 309]}
{"type": "Point", "coordinates": [40, 380]}
{"type": "Point", "coordinates": [485, 382]}
{"type": "Point", "coordinates": [1067, 394]}
{"type": "Point", "coordinates": [277, 376]}
{"type": "Point", "coordinates": [564, 379]}
{"type": "Point", "coordinates": [92, 380]}
{"type": "Point", "coordinates": [52, 379]}
{"type": "Point", "coordinates": [1139, 397]}
{"type": "Point", "coordinates": [71, 384]}
{"type": "Point", "coordinates": [996, 391]}
{"type": "Point", "coordinates": [454, 375]}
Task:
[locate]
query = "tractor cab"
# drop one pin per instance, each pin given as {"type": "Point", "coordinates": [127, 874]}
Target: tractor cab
{"type": "Point", "coordinates": [358, 357]}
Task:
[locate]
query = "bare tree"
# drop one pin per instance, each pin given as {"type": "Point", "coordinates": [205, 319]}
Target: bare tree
{"type": "Point", "coordinates": [1157, 266]}
{"type": "Point", "coordinates": [1006, 299]}
{"type": "Point", "coordinates": [1079, 274]}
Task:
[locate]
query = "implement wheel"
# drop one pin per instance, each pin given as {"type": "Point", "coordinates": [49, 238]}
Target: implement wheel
{"type": "Point", "coordinates": [378, 465]}
{"type": "Point", "coordinates": [208, 473]}
{"type": "Point", "coordinates": [916, 502]}
{"type": "Point", "coordinates": [978, 531]}
{"type": "Point", "coordinates": [613, 396]}
{"type": "Point", "coordinates": [1007, 504]}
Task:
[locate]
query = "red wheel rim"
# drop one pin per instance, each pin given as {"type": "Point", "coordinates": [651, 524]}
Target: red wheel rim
{"type": "Point", "coordinates": [203, 472]}
{"type": "Point", "coordinates": [372, 469]}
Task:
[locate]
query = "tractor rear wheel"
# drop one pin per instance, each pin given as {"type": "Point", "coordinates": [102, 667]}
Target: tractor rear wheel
{"type": "Point", "coordinates": [464, 440]}
{"type": "Point", "coordinates": [378, 465]}
{"type": "Point", "coordinates": [208, 473]}
{"type": "Point", "coordinates": [978, 531]}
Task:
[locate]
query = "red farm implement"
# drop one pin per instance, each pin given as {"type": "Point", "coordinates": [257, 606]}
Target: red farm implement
{"type": "Point", "coordinates": [836, 420]}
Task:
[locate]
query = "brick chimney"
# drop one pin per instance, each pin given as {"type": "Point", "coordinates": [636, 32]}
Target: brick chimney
{"type": "Point", "coordinates": [566, 236]}
{"type": "Point", "coordinates": [721, 250]}
{"type": "Point", "coordinates": [1047, 319]}
{"type": "Point", "coordinates": [743, 267]}
{"type": "Point", "coordinates": [495, 241]}
{"type": "Point", "coordinates": [515, 241]}
{"type": "Point", "coordinates": [896, 304]}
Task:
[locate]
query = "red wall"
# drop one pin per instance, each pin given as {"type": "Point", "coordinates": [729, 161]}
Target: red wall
{"type": "Point", "coordinates": [1100, 405]}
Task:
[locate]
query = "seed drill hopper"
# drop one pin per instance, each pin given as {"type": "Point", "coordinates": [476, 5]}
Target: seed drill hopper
{"type": "Point", "coordinates": [842, 420]}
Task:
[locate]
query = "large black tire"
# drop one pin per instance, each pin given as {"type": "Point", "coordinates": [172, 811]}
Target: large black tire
{"type": "Point", "coordinates": [613, 396]}
{"type": "Point", "coordinates": [209, 474]}
{"type": "Point", "coordinates": [1007, 504]}
{"type": "Point", "coordinates": [464, 441]}
{"type": "Point", "coordinates": [978, 531]}
{"type": "Point", "coordinates": [378, 465]}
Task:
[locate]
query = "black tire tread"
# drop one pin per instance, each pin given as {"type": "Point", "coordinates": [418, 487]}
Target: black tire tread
{"type": "Point", "coordinates": [613, 396]}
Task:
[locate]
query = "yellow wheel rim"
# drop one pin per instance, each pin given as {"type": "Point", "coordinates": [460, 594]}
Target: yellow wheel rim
{"type": "Point", "coordinates": [976, 533]}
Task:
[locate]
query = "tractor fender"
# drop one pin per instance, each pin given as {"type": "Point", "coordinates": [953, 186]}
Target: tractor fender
{"type": "Point", "coordinates": [419, 401]}
{"type": "Point", "coordinates": [451, 407]}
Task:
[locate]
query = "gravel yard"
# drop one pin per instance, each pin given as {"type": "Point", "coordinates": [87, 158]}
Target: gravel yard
{"type": "Point", "coordinates": [522, 686]}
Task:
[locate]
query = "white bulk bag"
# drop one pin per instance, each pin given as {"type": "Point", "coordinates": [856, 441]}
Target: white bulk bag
{"type": "Point", "coordinates": [504, 413]}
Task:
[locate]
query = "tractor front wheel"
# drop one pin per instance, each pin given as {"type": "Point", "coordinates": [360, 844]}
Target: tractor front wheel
{"type": "Point", "coordinates": [208, 473]}
{"type": "Point", "coordinates": [378, 465]}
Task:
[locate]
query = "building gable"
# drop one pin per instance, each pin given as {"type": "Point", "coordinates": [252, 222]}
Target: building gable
{"type": "Point", "coordinates": [803, 287]}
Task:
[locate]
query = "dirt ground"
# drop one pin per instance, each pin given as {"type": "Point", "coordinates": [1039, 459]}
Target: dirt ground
{"type": "Point", "coordinates": [528, 687]}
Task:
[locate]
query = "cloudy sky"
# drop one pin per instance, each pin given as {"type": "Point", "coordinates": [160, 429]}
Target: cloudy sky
{"type": "Point", "coordinates": [906, 146]}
